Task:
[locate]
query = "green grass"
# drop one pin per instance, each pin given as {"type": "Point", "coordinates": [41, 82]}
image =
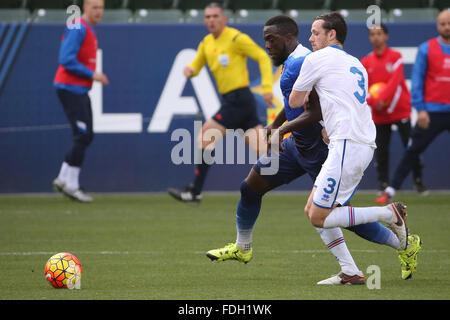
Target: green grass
{"type": "Point", "coordinates": [151, 247]}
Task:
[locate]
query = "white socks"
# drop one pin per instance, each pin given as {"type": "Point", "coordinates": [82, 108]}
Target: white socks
{"type": "Point", "coordinates": [390, 191]}
{"type": "Point", "coordinates": [63, 172]}
{"type": "Point", "coordinates": [334, 240]}
{"type": "Point", "coordinates": [349, 216]}
{"type": "Point", "coordinates": [244, 239]}
{"type": "Point", "coordinates": [70, 176]}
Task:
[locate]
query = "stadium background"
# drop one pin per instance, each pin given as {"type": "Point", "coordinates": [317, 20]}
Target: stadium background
{"type": "Point", "coordinates": [138, 53]}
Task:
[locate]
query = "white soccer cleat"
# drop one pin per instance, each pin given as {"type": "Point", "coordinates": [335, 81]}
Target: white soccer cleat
{"type": "Point", "coordinates": [77, 194]}
{"type": "Point", "coordinates": [186, 195]}
{"type": "Point", "coordinates": [58, 185]}
{"type": "Point", "coordinates": [398, 225]}
{"type": "Point", "coordinates": [342, 278]}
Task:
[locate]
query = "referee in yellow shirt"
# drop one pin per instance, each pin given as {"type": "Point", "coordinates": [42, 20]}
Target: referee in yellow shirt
{"type": "Point", "coordinates": [225, 50]}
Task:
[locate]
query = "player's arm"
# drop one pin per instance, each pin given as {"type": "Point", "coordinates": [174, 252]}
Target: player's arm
{"type": "Point", "coordinates": [197, 64]}
{"type": "Point", "coordinates": [418, 78]}
{"type": "Point", "coordinates": [308, 76]}
{"type": "Point", "coordinates": [310, 116]}
{"type": "Point", "coordinates": [297, 98]}
{"type": "Point", "coordinates": [279, 120]}
{"type": "Point", "coordinates": [68, 53]}
{"type": "Point", "coordinates": [246, 46]}
{"type": "Point", "coordinates": [271, 128]}
{"type": "Point", "coordinates": [388, 93]}
{"type": "Point", "coordinates": [417, 86]}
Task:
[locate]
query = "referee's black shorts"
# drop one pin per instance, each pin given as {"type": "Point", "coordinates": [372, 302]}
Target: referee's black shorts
{"type": "Point", "coordinates": [238, 110]}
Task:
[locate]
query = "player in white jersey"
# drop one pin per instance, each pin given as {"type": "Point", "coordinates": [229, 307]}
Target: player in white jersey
{"type": "Point", "coordinates": [341, 83]}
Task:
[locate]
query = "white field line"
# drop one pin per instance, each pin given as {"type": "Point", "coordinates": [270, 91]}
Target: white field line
{"type": "Point", "coordinates": [31, 253]}
{"type": "Point", "coordinates": [275, 192]}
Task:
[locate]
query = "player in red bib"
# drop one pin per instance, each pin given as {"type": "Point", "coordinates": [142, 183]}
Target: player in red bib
{"type": "Point", "coordinates": [430, 90]}
{"type": "Point", "coordinates": [73, 80]}
{"type": "Point", "coordinates": [389, 99]}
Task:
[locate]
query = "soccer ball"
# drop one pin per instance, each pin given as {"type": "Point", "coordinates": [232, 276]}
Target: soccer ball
{"type": "Point", "coordinates": [376, 88]}
{"type": "Point", "coordinates": [63, 270]}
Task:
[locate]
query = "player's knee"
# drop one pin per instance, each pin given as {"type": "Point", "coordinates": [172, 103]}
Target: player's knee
{"type": "Point", "coordinates": [306, 209]}
{"type": "Point", "coordinates": [84, 139]}
{"type": "Point", "coordinates": [316, 220]}
{"type": "Point", "coordinates": [247, 194]}
{"type": "Point", "coordinates": [205, 144]}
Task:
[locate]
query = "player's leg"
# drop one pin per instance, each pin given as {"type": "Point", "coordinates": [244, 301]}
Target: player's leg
{"type": "Point", "coordinates": [205, 141]}
{"type": "Point", "coordinates": [79, 113]}
{"type": "Point", "coordinates": [374, 232]}
{"type": "Point", "coordinates": [420, 140]}
{"type": "Point", "coordinates": [383, 139]}
{"type": "Point", "coordinates": [336, 183]}
{"type": "Point", "coordinates": [232, 113]}
{"type": "Point", "coordinates": [404, 129]}
{"type": "Point", "coordinates": [256, 184]}
{"type": "Point", "coordinates": [255, 139]}
{"type": "Point", "coordinates": [333, 238]}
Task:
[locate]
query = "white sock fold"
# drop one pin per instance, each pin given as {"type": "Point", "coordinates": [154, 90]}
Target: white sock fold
{"type": "Point", "coordinates": [390, 191]}
{"type": "Point", "coordinates": [349, 216]}
{"type": "Point", "coordinates": [244, 239]}
{"type": "Point", "coordinates": [72, 181]}
{"type": "Point", "coordinates": [63, 172]}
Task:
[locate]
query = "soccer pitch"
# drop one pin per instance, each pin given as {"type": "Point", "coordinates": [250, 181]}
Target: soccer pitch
{"type": "Point", "coordinates": [148, 246]}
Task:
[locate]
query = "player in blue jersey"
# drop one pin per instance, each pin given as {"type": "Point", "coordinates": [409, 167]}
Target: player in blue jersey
{"type": "Point", "coordinates": [302, 153]}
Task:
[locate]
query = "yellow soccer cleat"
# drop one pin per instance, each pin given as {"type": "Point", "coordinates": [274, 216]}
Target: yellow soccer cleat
{"type": "Point", "coordinates": [230, 252]}
{"type": "Point", "coordinates": [408, 257]}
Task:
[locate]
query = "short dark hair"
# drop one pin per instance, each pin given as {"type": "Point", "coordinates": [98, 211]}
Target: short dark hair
{"type": "Point", "coordinates": [285, 24]}
{"type": "Point", "coordinates": [334, 21]}
{"type": "Point", "coordinates": [382, 26]}
{"type": "Point", "coordinates": [214, 5]}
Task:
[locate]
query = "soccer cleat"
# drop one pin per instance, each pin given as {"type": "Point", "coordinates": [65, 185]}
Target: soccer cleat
{"type": "Point", "coordinates": [384, 198]}
{"type": "Point", "coordinates": [343, 278]}
{"type": "Point", "coordinates": [230, 252]}
{"type": "Point", "coordinates": [398, 225]}
{"type": "Point", "coordinates": [186, 195]}
{"type": "Point", "coordinates": [58, 185]}
{"type": "Point", "coordinates": [421, 189]}
{"type": "Point", "coordinates": [408, 257]}
{"type": "Point", "coordinates": [77, 194]}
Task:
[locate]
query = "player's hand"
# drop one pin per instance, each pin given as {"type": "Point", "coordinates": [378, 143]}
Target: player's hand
{"type": "Point", "coordinates": [381, 105]}
{"type": "Point", "coordinates": [98, 76]}
{"type": "Point", "coordinates": [268, 97]}
{"type": "Point", "coordinates": [306, 99]}
{"type": "Point", "coordinates": [275, 140]}
{"type": "Point", "coordinates": [267, 132]}
{"type": "Point", "coordinates": [423, 119]}
{"type": "Point", "coordinates": [188, 72]}
{"type": "Point", "coordinates": [325, 137]}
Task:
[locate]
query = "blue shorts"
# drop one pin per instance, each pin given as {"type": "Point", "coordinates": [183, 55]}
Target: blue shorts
{"type": "Point", "coordinates": [238, 110]}
{"type": "Point", "coordinates": [293, 164]}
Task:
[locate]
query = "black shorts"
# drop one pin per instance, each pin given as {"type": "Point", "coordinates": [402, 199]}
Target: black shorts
{"type": "Point", "coordinates": [238, 110]}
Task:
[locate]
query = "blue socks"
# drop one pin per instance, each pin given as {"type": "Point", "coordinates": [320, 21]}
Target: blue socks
{"type": "Point", "coordinates": [246, 214]}
{"type": "Point", "coordinates": [376, 232]}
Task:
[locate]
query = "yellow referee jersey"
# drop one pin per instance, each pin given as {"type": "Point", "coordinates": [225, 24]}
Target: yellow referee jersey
{"type": "Point", "coordinates": [227, 59]}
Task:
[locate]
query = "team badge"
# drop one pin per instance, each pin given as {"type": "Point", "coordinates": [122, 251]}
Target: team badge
{"type": "Point", "coordinates": [224, 60]}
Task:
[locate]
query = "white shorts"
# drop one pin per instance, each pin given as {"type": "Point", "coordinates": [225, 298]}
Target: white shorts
{"type": "Point", "coordinates": [341, 172]}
